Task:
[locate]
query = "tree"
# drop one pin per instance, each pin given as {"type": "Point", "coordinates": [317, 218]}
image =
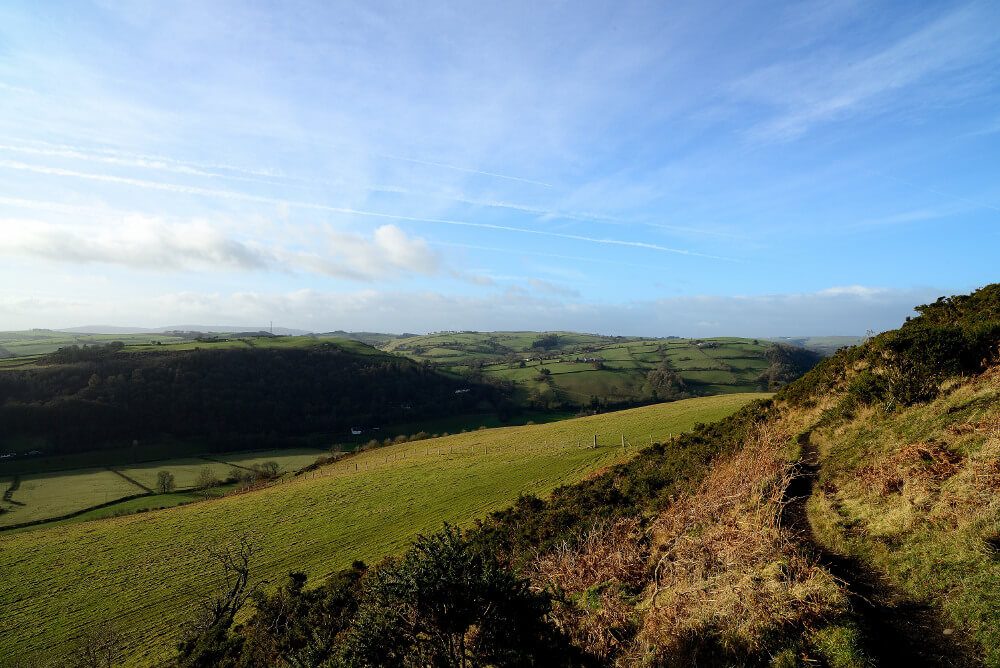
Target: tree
{"type": "Point", "coordinates": [207, 640]}
{"type": "Point", "coordinates": [206, 479]}
{"type": "Point", "coordinates": [665, 382]}
{"type": "Point", "coordinates": [165, 482]}
{"type": "Point", "coordinates": [99, 647]}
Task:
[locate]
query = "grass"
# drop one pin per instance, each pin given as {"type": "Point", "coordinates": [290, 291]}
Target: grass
{"type": "Point", "coordinates": [144, 572]}
{"type": "Point", "coordinates": [732, 365]}
{"type": "Point", "coordinates": [41, 341]}
{"type": "Point", "coordinates": [47, 495]}
{"type": "Point", "coordinates": [288, 460]}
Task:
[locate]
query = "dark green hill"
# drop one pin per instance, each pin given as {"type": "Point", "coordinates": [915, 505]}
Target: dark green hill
{"type": "Point", "coordinates": [263, 392]}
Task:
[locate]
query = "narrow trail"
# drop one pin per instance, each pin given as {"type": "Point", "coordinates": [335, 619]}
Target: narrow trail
{"type": "Point", "coordinates": [895, 633]}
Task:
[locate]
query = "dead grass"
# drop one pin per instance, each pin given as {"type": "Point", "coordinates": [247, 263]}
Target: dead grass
{"type": "Point", "coordinates": [916, 465]}
{"type": "Point", "coordinates": [714, 577]}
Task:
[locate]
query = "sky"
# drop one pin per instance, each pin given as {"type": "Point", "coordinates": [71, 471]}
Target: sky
{"type": "Point", "coordinates": [690, 169]}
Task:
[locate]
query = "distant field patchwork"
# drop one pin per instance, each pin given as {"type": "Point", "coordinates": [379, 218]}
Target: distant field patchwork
{"type": "Point", "coordinates": [50, 495]}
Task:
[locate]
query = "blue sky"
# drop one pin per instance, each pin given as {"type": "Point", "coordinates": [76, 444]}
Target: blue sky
{"type": "Point", "coordinates": [631, 168]}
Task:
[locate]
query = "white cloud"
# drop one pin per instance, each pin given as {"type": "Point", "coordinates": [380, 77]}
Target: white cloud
{"type": "Point", "coordinates": [158, 245]}
{"type": "Point", "coordinates": [133, 242]}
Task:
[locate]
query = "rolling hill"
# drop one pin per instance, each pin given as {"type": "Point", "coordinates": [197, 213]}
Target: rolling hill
{"type": "Point", "coordinates": [564, 369]}
{"type": "Point", "coordinates": [144, 572]}
{"type": "Point", "coordinates": [225, 393]}
{"type": "Point", "coordinates": [852, 520]}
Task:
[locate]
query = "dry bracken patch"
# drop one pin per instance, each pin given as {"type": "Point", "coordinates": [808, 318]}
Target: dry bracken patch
{"type": "Point", "coordinates": [592, 579]}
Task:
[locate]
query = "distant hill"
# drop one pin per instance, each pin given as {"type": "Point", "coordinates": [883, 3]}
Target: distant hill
{"type": "Point", "coordinates": [824, 345]}
{"type": "Point", "coordinates": [569, 369]}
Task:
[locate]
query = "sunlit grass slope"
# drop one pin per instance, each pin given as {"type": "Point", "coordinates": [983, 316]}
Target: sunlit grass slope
{"type": "Point", "coordinates": [143, 573]}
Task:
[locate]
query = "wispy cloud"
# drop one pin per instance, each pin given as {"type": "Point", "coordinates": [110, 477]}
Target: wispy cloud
{"type": "Point", "coordinates": [833, 85]}
{"type": "Point", "coordinates": [468, 170]}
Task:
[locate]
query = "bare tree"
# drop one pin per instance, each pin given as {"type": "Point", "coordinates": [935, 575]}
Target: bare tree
{"type": "Point", "coordinates": [235, 589]}
{"type": "Point", "coordinates": [205, 640]}
{"type": "Point", "coordinates": [100, 647]}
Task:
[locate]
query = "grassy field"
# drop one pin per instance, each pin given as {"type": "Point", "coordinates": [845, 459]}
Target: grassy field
{"type": "Point", "coordinates": [51, 495]}
{"type": "Point", "coordinates": [40, 341]}
{"type": "Point", "coordinates": [44, 495]}
{"type": "Point", "coordinates": [144, 572]}
{"type": "Point", "coordinates": [19, 350]}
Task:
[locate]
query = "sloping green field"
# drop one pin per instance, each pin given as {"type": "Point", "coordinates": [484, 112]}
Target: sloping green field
{"type": "Point", "coordinates": [144, 572]}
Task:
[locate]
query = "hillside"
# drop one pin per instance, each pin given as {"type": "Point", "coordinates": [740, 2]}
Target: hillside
{"type": "Point", "coordinates": [145, 573]}
{"type": "Point", "coordinates": [568, 369]}
{"type": "Point", "coordinates": [226, 393]}
{"type": "Point", "coordinates": [853, 520]}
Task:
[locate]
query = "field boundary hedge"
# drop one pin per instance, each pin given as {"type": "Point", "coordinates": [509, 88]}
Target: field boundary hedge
{"type": "Point", "coordinates": [130, 479]}
{"type": "Point", "coordinates": [8, 496]}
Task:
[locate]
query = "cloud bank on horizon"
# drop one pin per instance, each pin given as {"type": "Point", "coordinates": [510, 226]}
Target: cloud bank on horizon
{"type": "Point", "coordinates": [690, 169]}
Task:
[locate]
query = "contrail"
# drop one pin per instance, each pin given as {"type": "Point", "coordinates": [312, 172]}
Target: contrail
{"type": "Point", "coordinates": [935, 191]}
{"type": "Point", "coordinates": [467, 170]}
{"type": "Point", "coordinates": [228, 194]}
{"type": "Point", "coordinates": [557, 256]}
{"type": "Point", "coordinates": [111, 157]}
{"type": "Point", "coordinates": [159, 162]}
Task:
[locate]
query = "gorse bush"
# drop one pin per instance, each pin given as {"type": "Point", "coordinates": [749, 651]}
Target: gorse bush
{"type": "Point", "coordinates": [443, 603]}
{"type": "Point", "coordinates": [954, 335]}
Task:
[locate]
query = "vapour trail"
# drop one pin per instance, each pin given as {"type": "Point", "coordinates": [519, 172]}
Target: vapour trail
{"type": "Point", "coordinates": [158, 162]}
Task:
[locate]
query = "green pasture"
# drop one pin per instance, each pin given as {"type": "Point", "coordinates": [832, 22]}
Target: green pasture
{"type": "Point", "coordinates": [52, 495]}
{"type": "Point", "coordinates": [289, 460]}
{"type": "Point", "coordinates": [55, 494]}
{"type": "Point", "coordinates": [144, 573]}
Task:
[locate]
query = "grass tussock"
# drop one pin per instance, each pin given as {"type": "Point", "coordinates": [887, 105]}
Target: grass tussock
{"type": "Point", "coordinates": [923, 511]}
{"type": "Point", "coordinates": [729, 578]}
